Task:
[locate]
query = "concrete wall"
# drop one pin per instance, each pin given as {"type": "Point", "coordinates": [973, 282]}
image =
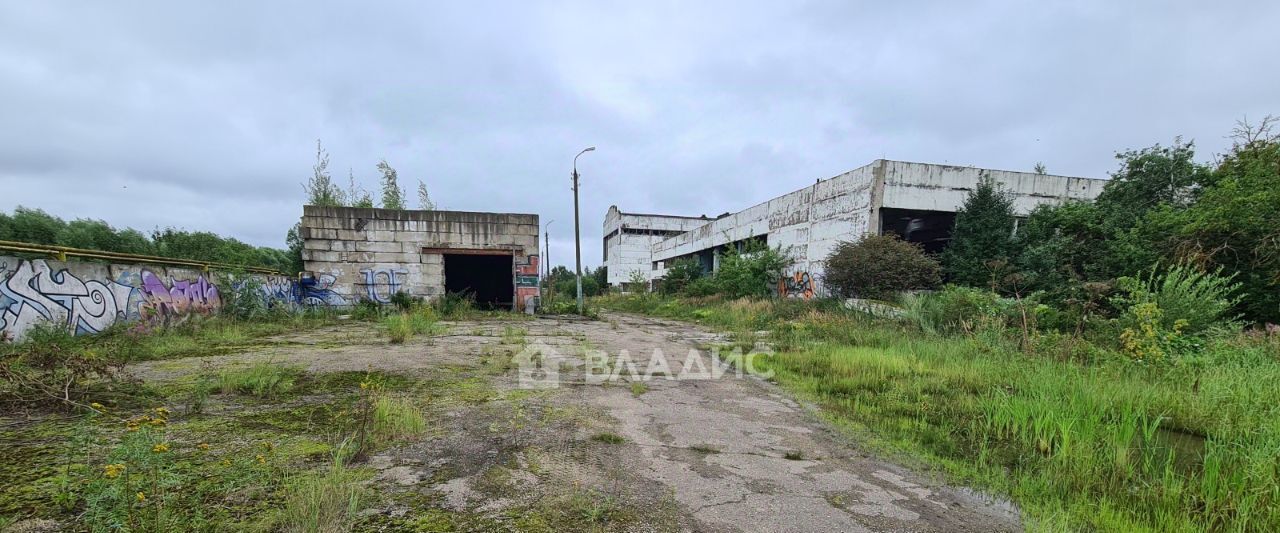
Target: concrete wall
{"type": "Point", "coordinates": [808, 222]}
{"type": "Point", "coordinates": [811, 221]}
{"type": "Point", "coordinates": [944, 187]}
{"type": "Point", "coordinates": [358, 254]}
{"type": "Point", "coordinates": [629, 240]}
{"type": "Point", "coordinates": [90, 297]}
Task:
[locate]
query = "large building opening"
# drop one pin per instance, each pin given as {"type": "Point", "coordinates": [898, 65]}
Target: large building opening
{"type": "Point", "coordinates": [487, 278]}
{"type": "Point", "coordinates": [930, 229]}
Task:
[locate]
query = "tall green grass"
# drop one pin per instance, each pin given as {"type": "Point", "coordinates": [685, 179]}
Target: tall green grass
{"type": "Point", "coordinates": [1108, 445]}
{"type": "Point", "coordinates": [401, 327]}
{"type": "Point", "coordinates": [264, 380]}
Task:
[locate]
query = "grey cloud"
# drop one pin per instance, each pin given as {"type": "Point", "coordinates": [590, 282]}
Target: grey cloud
{"type": "Point", "coordinates": [205, 115]}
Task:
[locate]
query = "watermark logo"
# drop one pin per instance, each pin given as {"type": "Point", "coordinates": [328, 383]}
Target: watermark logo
{"type": "Point", "coordinates": [542, 367]}
{"type": "Point", "coordinates": [538, 366]}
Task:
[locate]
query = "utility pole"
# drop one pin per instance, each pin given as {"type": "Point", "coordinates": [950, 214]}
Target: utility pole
{"type": "Point", "coordinates": [577, 237]}
{"type": "Point", "coordinates": [546, 257]}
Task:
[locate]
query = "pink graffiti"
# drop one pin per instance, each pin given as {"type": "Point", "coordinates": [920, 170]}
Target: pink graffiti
{"type": "Point", "coordinates": [179, 298]}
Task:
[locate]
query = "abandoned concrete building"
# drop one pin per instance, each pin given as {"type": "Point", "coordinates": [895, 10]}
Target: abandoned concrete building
{"type": "Point", "coordinates": [916, 201]}
{"type": "Point", "coordinates": [353, 254]}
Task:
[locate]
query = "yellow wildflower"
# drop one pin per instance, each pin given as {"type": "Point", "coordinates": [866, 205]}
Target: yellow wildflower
{"type": "Point", "coordinates": [268, 446]}
{"type": "Point", "coordinates": [97, 406]}
{"type": "Point", "coordinates": [162, 411]}
{"type": "Point", "coordinates": [142, 496]}
{"type": "Point", "coordinates": [364, 384]}
{"type": "Point", "coordinates": [157, 422]}
{"type": "Point", "coordinates": [113, 470]}
{"type": "Point", "coordinates": [203, 446]}
{"type": "Point", "coordinates": [160, 448]}
{"type": "Point", "coordinates": [226, 462]}
{"type": "Point", "coordinates": [262, 460]}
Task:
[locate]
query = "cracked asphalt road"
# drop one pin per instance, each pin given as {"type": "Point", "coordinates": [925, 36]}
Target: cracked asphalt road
{"type": "Point", "coordinates": [739, 455]}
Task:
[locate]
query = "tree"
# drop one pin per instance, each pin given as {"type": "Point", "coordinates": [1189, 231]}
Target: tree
{"type": "Point", "coordinates": [880, 266]}
{"type": "Point", "coordinates": [357, 196]}
{"type": "Point", "coordinates": [1151, 177]}
{"type": "Point", "coordinates": [1235, 224]}
{"type": "Point", "coordinates": [983, 233]}
{"type": "Point", "coordinates": [392, 194]}
{"type": "Point", "coordinates": [424, 199]}
{"type": "Point", "coordinates": [1039, 168]}
{"type": "Point", "coordinates": [295, 243]}
{"type": "Point", "coordinates": [321, 190]}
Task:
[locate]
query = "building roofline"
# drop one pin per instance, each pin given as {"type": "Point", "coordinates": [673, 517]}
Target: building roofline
{"type": "Point", "coordinates": [703, 217]}
{"type": "Point", "coordinates": [986, 168]}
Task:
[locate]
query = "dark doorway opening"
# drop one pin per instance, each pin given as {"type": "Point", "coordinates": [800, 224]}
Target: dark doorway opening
{"type": "Point", "coordinates": [930, 229]}
{"type": "Point", "coordinates": [487, 278]}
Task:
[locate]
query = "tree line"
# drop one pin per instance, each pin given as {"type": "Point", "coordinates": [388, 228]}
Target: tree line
{"type": "Point", "coordinates": [35, 226]}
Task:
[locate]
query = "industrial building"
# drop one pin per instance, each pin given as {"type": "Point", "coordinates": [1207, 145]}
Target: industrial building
{"type": "Point", "coordinates": [917, 201]}
{"type": "Point", "coordinates": [355, 254]}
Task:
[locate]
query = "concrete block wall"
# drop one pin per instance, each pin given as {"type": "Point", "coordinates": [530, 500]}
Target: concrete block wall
{"type": "Point", "coordinates": [369, 254]}
{"type": "Point", "coordinates": [628, 251]}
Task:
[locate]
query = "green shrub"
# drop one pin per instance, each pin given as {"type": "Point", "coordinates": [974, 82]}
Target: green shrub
{"type": "Point", "coordinates": [245, 299]}
{"type": "Point", "coordinates": [752, 271]}
{"type": "Point", "coordinates": [367, 310]}
{"type": "Point", "coordinates": [680, 274]}
{"type": "Point", "coordinates": [1198, 300]}
{"type": "Point", "coordinates": [404, 301]}
{"type": "Point", "coordinates": [879, 266]}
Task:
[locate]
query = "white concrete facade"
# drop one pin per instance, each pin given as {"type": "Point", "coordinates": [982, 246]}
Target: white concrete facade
{"type": "Point", "coordinates": [629, 240]}
{"type": "Point", "coordinates": [808, 223]}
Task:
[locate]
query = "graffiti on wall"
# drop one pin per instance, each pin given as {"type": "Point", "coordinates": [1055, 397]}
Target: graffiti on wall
{"type": "Point", "coordinates": [797, 285]}
{"type": "Point", "coordinates": [381, 283]}
{"type": "Point", "coordinates": [527, 282]}
{"type": "Point", "coordinates": [35, 293]}
{"type": "Point", "coordinates": [165, 302]}
{"type": "Point", "coordinates": [317, 291]}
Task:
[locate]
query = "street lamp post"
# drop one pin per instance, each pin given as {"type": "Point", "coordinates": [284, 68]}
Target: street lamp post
{"type": "Point", "coordinates": [577, 238]}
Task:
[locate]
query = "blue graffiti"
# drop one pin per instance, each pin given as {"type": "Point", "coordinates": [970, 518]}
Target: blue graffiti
{"type": "Point", "coordinates": [390, 286]}
{"type": "Point", "coordinates": [317, 291]}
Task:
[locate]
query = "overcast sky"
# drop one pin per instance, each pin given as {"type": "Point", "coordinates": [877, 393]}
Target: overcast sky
{"type": "Point", "coordinates": [204, 115]}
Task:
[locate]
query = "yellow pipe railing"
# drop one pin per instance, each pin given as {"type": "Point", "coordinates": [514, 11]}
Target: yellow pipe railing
{"type": "Point", "coordinates": [62, 252]}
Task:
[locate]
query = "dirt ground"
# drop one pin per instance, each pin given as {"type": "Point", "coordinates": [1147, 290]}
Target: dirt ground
{"type": "Point", "coordinates": [727, 454]}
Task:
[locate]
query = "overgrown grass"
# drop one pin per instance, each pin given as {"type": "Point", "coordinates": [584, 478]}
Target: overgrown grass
{"type": "Point", "coordinates": [324, 501]}
{"type": "Point", "coordinates": [419, 321]}
{"type": "Point", "coordinates": [396, 418]}
{"type": "Point", "coordinates": [1101, 443]}
{"type": "Point", "coordinates": [264, 380]}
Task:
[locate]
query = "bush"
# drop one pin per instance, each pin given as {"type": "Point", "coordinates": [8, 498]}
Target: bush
{"type": "Point", "coordinates": [680, 274]}
{"type": "Point", "coordinates": [1197, 300]}
{"type": "Point", "coordinates": [879, 266]}
{"type": "Point", "coordinates": [404, 301]}
{"type": "Point", "coordinates": [753, 271]}
{"type": "Point", "coordinates": [53, 364]}
{"type": "Point", "coordinates": [245, 300]}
